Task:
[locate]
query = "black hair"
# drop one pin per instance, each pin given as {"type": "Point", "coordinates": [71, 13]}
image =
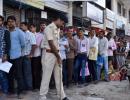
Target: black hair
{"type": "Point", "coordinates": [60, 16]}
{"type": "Point", "coordinates": [32, 25]}
{"type": "Point", "coordinates": [12, 18]}
{"type": "Point", "coordinates": [42, 23]}
{"type": "Point", "coordinates": [25, 23]}
{"type": "Point", "coordinates": [2, 18]}
{"type": "Point", "coordinates": [109, 33]}
{"type": "Point", "coordinates": [70, 27]}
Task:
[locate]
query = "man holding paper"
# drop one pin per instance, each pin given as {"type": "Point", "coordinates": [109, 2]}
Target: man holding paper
{"type": "Point", "coordinates": [4, 51]}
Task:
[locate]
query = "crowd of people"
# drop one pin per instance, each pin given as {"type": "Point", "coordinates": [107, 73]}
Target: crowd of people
{"type": "Point", "coordinates": [85, 58]}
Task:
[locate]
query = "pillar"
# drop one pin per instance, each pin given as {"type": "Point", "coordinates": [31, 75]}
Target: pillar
{"type": "Point", "coordinates": [114, 9]}
{"type": "Point", "coordinates": [70, 14]}
{"type": "Point", "coordinates": [1, 7]}
{"type": "Point", "coordinates": [22, 15]}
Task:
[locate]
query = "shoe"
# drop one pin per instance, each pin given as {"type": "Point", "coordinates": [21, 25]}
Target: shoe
{"type": "Point", "coordinates": [106, 80]}
{"type": "Point", "coordinates": [86, 84]}
{"type": "Point", "coordinates": [19, 96]}
{"type": "Point", "coordinates": [65, 98]}
{"type": "Point", "coordinates": [95, 82]}
{"type": "Point", "coordinates": [35, 90]}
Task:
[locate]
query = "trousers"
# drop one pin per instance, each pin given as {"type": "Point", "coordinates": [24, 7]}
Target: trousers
{"type": "Point", "coordinates": [49, 65]}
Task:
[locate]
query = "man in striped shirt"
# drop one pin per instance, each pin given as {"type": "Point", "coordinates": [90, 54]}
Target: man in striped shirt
{"type": "Point", "coordinates": [4, 51]}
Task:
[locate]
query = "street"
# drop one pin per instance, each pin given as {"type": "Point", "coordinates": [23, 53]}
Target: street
{"type": "Point", "coordinates": [115, 90]}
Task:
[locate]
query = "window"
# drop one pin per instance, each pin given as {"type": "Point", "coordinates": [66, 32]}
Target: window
{"type": "Point", "coordinates": [119, 8]}
{"type": "Point", "coordinates": [124, 12]}
{"type": "Point", "coordinates": [108, 4]}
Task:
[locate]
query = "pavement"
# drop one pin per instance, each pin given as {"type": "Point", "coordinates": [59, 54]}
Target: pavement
{"type": "Point", "coordinates": [114, 90]}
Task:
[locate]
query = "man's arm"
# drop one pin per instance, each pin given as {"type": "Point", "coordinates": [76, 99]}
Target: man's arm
{"type": "Point", "coordinates": [105, 45]}
{"type": "Point", "coordinates": [22, 38]}
{"type": "Point", "coordinates": [7, 42]}
{"type": "Point", "coordinates": [88, 45]}
{"type": "Point", "coordinates": [54, 49]}
{"type": "Point", "coordinates": [49, 36]}
{"type": "Point", "coordinates": [7, 45]}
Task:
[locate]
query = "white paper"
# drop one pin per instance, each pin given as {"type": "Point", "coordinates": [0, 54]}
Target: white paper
{"type": "Point", "coordinates": [5, 66]}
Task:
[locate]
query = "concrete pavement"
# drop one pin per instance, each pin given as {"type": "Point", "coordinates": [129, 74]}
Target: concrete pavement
{"type": "Point", "coordinates": [114, 90]}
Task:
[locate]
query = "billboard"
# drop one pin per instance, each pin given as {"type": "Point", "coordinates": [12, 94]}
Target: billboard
{"type": "Point", "coordinates": [35, 3]}
{"type": "Point", "coordinates": [102, 3]}
{"type": "Point", "coordinates": [70, 0]}
{"type": "Point", "coordinates": [95, 13]}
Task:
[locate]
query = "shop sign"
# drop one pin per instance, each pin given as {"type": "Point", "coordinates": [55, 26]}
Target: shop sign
{"type": "Point", "coordinates": [35, 3]}
{"type": "Point", "coordinates": [109, 24]}
{"type": "Point", "coordinates": [119, 24]}
{"type": "Point", "coordinates": [102, 3]}
{"type": "Point", "coordinates": [95, 13]}
{"type": "Point", "coordinates": [70, 0]}
{"type": "Point", "coordinates": [110, 15]}
{"type": "Point", "coordinates": [128, 30]}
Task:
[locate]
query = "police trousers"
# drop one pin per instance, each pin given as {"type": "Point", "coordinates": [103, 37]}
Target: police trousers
{"type": "Point", "coordinates": [50, 65]}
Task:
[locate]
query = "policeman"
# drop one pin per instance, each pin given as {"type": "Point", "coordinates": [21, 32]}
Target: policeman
{"type": "Point", "coordinates": [51, 60]}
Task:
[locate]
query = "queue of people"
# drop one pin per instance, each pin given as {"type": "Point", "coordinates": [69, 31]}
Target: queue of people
{"type": "Point", "coordinates": [36, 55]}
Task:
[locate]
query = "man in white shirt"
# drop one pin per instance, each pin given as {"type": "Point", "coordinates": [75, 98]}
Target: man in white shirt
{"type": "Point", "coordinates": [27, 51]}
{"type": "Point", "coordinates": [93, 53]}
{"type": "Point", "coordinates": [102, 56]}
{"type": "Point", "coordinates": [82, 44]}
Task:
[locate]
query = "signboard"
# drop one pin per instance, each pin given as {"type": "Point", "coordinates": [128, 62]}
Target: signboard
{"type": "Point", "coordinates": [43, 14]}
{"type": "Point", "coordinates": [128, 30]}
{"type": "Point", "coordinates": [109, 24]}
{"type": "Point", "coordinates": [119, 24]}
{"type": "Point", "coordinates": [35, 3]}
{"type": "Point", "coordinates": [70, 0]}
{"type": "Point", "coordinates": [94, 13]}
{"type": "Point", "coordinates": [102, 3]}
{"type": "Point", "coordinates": [110, 15]}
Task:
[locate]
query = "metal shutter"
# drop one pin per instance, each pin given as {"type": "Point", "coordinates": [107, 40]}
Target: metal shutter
{"type": "Point", "coordinates": [8, 10]}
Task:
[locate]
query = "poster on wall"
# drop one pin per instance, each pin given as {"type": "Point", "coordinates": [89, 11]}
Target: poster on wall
{"type": "Point", "coordinates": [95, 13]}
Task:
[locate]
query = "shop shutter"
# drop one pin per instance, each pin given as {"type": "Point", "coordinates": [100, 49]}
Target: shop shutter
{"type": "Point", "coordinates": [8, 11]}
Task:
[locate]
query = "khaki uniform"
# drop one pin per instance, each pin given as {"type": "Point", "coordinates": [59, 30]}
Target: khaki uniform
{"type": "Point", "coordinates": [49, 63]}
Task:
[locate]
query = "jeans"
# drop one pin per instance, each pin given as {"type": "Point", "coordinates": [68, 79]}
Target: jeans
{"type": "Point", "coordinates": [4, 82]}
{"type": "Point", "coordinates": [27, 73]}
{"type": "Point", "coordinates": [80, 63]}
{"type": "Point", "coordinates": [102, 62]}
{"type": "Point", "coordinates": [16, 72]}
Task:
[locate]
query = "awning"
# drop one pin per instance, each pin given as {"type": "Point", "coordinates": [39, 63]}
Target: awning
{"type": "Point", "coordinates": [35, 3]}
